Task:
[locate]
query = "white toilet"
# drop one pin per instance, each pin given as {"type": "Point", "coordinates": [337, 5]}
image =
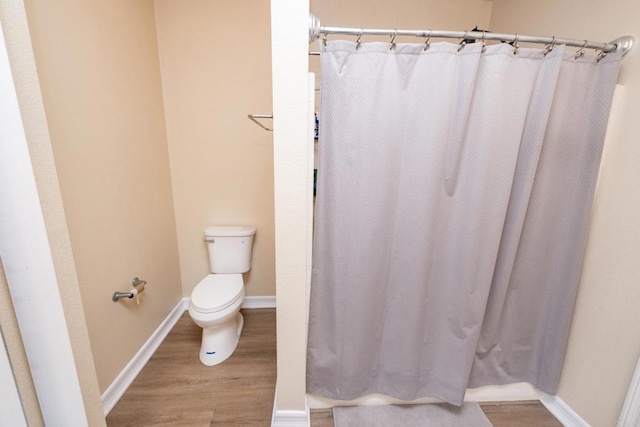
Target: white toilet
{"type": "Point", "coordinates": [216, 300]}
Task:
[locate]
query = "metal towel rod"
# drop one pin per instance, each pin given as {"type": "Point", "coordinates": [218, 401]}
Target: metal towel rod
{"type": "Point", "coordinates": [253, 118]}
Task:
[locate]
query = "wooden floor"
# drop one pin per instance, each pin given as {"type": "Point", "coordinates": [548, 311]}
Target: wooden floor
{"type": "Point", "coordinates": [175, 389]}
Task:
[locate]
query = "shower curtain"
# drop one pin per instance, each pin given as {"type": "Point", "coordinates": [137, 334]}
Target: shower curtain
{"type": "Point", "coordinates": [454, 194]}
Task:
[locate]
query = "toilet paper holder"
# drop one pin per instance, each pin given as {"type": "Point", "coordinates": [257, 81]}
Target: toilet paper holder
{"type": "Point", "coordinates": [138, 286]}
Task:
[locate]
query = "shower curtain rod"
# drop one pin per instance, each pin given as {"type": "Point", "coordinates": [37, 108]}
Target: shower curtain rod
{"type": "Point", "coordinates": [622, 44]}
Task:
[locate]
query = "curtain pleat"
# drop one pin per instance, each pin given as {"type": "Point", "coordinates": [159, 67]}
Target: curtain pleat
{"type": "Point", "coordinates": [447, 180]}
{"type": "Point", "coordinates": [529, 310]}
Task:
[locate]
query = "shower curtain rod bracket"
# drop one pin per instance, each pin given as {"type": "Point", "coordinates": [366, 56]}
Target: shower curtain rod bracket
{"type": "Point", "coordinates": [624, 44]}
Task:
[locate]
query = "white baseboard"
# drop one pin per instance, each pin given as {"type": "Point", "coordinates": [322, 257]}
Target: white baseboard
{"type": "Point", "coordinates": [563, 412]}
{"type": "Point", "coordinates": [286, 418]}
{"type": "Point", "coordinates": [117, 388]}
{"type": "Point", "coordinates": [289, 418]}
{"type": "Point", "coordinates": [268, 301]}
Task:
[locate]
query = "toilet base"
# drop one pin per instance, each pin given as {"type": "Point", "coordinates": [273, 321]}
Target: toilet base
{"type": "Point", "coordinates": [220, 343]}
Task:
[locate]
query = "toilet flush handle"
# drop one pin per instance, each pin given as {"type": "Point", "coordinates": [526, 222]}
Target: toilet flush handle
{"type": "Point", "coordinates": [209, 239]}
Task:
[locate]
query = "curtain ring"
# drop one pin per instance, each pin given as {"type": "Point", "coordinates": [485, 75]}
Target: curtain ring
{"type": "Point", "coordinates": [324, 39]}
{"type": "Point", "coordinates": [359, 38]}
{"type": "Point", "coordinates": [428, 42]}
{"type": "Point", "coordinates": [484, 43]}
{"type": "Point", "coordinates": [550, 47]}
{"type": "Point", "coordinates": [393, 39]}
{"type": "Point", "coordinates": [463, 43]}
{"type": "Point", "coordinates": [515, 44]}
{"type": "Point", "coordinates": [580, 52]}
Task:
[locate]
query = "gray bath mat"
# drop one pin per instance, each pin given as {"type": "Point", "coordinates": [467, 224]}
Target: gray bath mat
{"type": "Point", "coordinates": [430, 415]}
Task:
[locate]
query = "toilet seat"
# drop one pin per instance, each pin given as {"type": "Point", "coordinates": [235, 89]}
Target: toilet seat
{"type": "Point", "coordinates": [217, 292]}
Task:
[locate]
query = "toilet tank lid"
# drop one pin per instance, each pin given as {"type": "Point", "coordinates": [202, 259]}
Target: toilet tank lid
{"type": "Point", "coordinates": [229, 231]}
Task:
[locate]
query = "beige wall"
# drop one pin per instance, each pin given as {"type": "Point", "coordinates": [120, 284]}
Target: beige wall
{"type": "Point", "coordinates": [23, 67]}
{"type": "Point", "coordinates": [604, 343]}
{"type": "Point", "coordinates": [216, 68]}
{"type": "Point", "coordinates": [100, 79]}
{"type": "Point", "coordinates": [403, 14]}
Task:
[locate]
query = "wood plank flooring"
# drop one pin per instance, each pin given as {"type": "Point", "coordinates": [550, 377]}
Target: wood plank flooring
{"type": "Point", "coordinates": [175, 389]}
{"type": "Point", "coordinates": [525, 414]}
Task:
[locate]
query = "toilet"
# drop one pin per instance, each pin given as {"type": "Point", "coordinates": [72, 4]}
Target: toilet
{"type": "Point", "coordinates": [216, 299]}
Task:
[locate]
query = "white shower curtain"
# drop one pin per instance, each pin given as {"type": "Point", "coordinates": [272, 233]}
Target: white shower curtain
{"type": "Point", "coordinates": [454, 193]}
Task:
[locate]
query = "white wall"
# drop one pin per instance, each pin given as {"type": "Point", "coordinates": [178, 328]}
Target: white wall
{"type": "Point", "coordinates": [11, 412]}
{"type": "Point", "coordinates": [17, 355]}
{"type": "Point", "coordinates": [289, 44]}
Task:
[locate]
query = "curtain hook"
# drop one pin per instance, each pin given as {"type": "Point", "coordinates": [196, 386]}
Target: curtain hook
{"type": "Point", "coordinates": [601, 55]}
{"type": "Point", "coordinates": [393, 39]}
{"type": "Point", "coordinates": [484, 43]}
{"type": "Point", "coordinates": [324, 39]}
{"type": "Point", "coordinates": [359, 38]}
{"type": "Point", "coordinates": [580, 52]}
{"type": "Point", "coordinates": [428, 42]}
{"type": "Point", "coordinates": [463, 43]}
{"type": "Point", "coordinates": [550, 47]}
{"type": "Point", "coordinates": [515, 44]}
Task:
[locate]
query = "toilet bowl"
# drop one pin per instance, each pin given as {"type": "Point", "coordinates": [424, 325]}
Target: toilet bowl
{"type": "Point", "coordinates": [216, 300]}
{"type": "Point", "coordinates": [215, 307]}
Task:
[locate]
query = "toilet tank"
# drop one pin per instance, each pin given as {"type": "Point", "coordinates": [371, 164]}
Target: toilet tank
{"type": "Point", "coordinates": [229, 248]}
